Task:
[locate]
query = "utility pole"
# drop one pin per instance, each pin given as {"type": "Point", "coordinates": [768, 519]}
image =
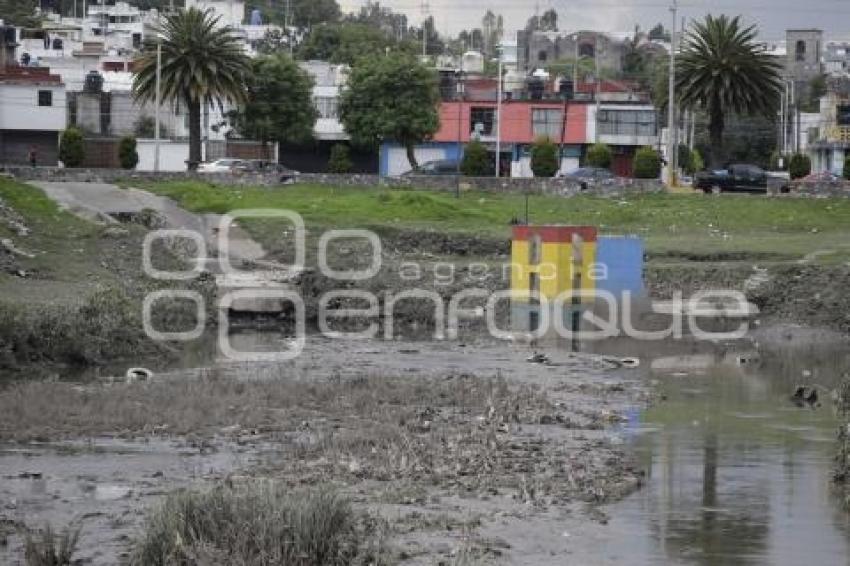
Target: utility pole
{"type": "Point", "coordinates": [157, 103]}
{"type": "Point", "coordinates": [596, 72]}
{"type": "Point", "coordinates": [499, 111]}
{"type": "Point", "coordinates": [671, 103]}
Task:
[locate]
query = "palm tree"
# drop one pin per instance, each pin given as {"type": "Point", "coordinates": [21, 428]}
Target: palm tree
{"type": "Point", "coordinates": [202, 63]}
{"type": "Point", "coordinates": [721, 70]}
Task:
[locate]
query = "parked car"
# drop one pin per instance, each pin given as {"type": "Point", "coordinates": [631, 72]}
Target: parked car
{"type": "Point", "coordinates": [226, 165]}
{"type": "Point", "coordinates": [590, 174]}
{"type": "Point", "coordinates": [738, 177]}
{"type": "Point", "coordinates": [437, 167]}
{"type": "Point", "coordinates": [263, 166]}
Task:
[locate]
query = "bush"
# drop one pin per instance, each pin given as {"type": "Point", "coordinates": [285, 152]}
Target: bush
{"type": "Point", "coordinates": [127, 155]}
{"type": "Point", "coordinates": [685, 159]}
{"type": "Point", "coordinates": [697, 163]}
{"type": "Point", "coordinates": [799, 166]}
{"type": "Point", "coordinates": [254, 525]}
{"type": "Point", "coordinates": [72, 149]}
{"type": "Point", "coordinates": [145, 127]}
{"type": "Point", "coordinates": [476, 161]}
{"type": "Point", "coordinates": [544, 158]}
{"type": "Point", "coordinates": [340, 160]}
{"type": "Point", "coordinates": [647, 164]}
{"type": "Point", "coordinates": [599, 155]}
{"type": "Point", "coordinates": [846, 171]}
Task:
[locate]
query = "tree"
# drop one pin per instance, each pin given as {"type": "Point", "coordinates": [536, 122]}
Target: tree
{"type": "Point", "coordinates": [279, 105]}
{"type": "Point", "coordinates": [846, 171]}
{"type": "Point", "coordinates": [544, 158]}
{"type": "Point", "coordinates": [599, 155]}
{"type": "Point", "coordinates": [684, 158]}
{"type": "Point", "coordinates": [273, 41]}
{"type": "Point", "coordinates": [493, 27]}
{"type": "Point", "coordinates": [72, 149]}
{"type": "Point", "coordinates": [817, 90]}
{"type": "Point", "coordinates": [723, 69]}
{"type": "Point", "coordinates": [202, 63]}
{"type": "Point", "coordinates": [19, 13]}
{"type": "Point", "coordinates": [647, 164]}
{"type": "Point", "coordinates": [391, 98]}
{"type": "Point", "coordinates": [127, 155]}
{"type": "Point", "coordinates": [799, 166]}
{"type": "Point", "coordinates": [340, 161]}
{"type": "Point", "coordinates": [658, 33]}
{"type": "Point", "coordinates": [549, 20]}
{"type": "Point", "coordinates": [697, 163]}
{"type": "Point", "coordinates": [349, 42]}
{"type": "Point", "coordinates": [307, 13]}
{"type": "Point", "coordinates": [476, 160]}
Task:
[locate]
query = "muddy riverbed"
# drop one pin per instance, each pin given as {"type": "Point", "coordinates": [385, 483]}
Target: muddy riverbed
{"type": "Point", "coordinates": [467, 451]}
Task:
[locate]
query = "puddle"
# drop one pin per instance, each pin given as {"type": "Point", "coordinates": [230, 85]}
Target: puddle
{"type": "Point", "coordinates": [736, 474]}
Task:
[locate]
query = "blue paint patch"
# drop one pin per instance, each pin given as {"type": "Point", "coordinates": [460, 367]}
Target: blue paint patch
{"type": "Point", "coordinates": [619, 265]}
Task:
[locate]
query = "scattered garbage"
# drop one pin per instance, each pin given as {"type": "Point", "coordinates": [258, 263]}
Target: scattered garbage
{"type": "Point", "coordinates": [629, 363]}
{"type": "Point", "coordinates": [138, 374]}
{"type": "Point", "coordinates": [537, 358]}
{"type": "Point", "coordinates": [805, 395]}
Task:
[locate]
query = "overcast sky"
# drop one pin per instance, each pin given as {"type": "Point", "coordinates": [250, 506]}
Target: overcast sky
{"type": "Point", "coordinates": [772, 16]}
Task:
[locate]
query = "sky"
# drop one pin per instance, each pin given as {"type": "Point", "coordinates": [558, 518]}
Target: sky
{"type": "Point", "coordinates": [773, 17]}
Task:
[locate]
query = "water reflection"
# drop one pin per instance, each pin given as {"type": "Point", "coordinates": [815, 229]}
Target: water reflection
{"type": "Point", "coordinates": [736, 473]}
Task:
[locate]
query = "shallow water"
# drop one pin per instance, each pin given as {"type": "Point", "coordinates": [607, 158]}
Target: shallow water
{"type": "Point", "coordinates": [736, 473]}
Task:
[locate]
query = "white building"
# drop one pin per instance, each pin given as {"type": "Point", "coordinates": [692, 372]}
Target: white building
{"type": "Point", "coordinates": [328, 81]}
{"type": "Point", "coordinates": [33, 112]}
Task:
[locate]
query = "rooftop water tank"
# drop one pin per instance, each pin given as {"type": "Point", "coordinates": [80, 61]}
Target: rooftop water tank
{"type": "Point", "coordinates": [472, 62]}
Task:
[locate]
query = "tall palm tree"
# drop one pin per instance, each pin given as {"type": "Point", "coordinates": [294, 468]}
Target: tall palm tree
{"type": "Point", "coordinates": [723, 70]}
{"type": "Point", "coordinates": [202, 63]}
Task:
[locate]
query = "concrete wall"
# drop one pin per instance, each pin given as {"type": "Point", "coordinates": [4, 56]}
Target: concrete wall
{"type": "Point", "coordinates": [561, 187]}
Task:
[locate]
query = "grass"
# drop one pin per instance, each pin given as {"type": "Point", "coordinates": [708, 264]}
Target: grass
{"type": "Point", "coordinates": [49, 548]}
{"type": "Point", "coordinates": [256, 525]}
{"type": "Point", "coordinates": [670, 223]}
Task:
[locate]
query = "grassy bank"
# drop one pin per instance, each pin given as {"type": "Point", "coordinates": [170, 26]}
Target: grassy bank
{"type": "Point", "coordinates": [71, 291]}
{"type": "Point", "coordinates": [676, 227]}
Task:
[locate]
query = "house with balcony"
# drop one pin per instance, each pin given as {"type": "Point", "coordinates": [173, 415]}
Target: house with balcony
{"type": "Point", "coordinates": [32, 107]}
{"type": "Point", "coordinates": [570, 117]}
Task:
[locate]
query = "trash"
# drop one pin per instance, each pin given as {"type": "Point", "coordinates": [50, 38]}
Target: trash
{"type": "Point", "coordinates": [805, 396]}
{"type": "Point", "coordinates": [537, 358]}
{"type": "Point", "coordinates": [623, 362]}
{"type": "Point", "coordinates": [138, 374]}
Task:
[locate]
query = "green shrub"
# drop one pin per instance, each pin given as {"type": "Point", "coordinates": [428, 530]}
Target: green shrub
{"type": "Point", "coordinates": [697, 163]}
{"type": "Point", "coordinates": [72, 149]}
{"type": "Point", "coordinates": [127, 154]}
{"type": "Point", "coordinates": [846, 171]}
{"type": "Point", "coordinates": [685, 159]}
{"type": "Point", "coordinates": [254, 525]}
{"type": "Point", "coordinates": [544, 158]}
{"type": "Point", "coordinates": [476, 161]}
{"type": "Point", "coordinates": [647, 164]}
{"type": "Point", "coordinates": [799, 166]}
{"type": "Point", "coordinates": [599, 155]}
{"type": "Point", "coordinates": [340, 159]}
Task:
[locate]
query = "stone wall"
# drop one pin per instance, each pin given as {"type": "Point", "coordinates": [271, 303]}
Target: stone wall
{"type": "Point", "coordinates": [563, 187]}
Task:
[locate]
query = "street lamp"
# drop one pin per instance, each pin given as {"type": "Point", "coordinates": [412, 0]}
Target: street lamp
{"type": "Point", "coordinates": [460, 93]}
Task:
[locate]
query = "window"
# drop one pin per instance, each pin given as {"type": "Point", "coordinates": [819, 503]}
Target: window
{"type": "Point", "coordinates": [481, 121]}
{"type": "Point", "coordinates": [547, 122]}
{"type": "Point", "coordinates": [626, 122]}
{"type": "Point", "coordinates": [45, 98]}
{"type": "Point", "coordinates": [800, 50]}
{"type": "Point", "coordinates": [587, 50]}
{"type": "Point", "coordinates": [542, 56]}
{"type": "Point", "coordinates": [327, 106]}
{"type": "Point", "coordinates": [534, 249]}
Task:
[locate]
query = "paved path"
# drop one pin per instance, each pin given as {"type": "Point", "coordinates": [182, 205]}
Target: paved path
{"type": "Point", "coordinates": [101, 202]}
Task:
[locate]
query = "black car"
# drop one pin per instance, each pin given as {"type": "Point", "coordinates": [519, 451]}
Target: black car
{"type": "Point", "coordinates": [437, 167]}
{"type": "Point", "coordinates": [738, 177]}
